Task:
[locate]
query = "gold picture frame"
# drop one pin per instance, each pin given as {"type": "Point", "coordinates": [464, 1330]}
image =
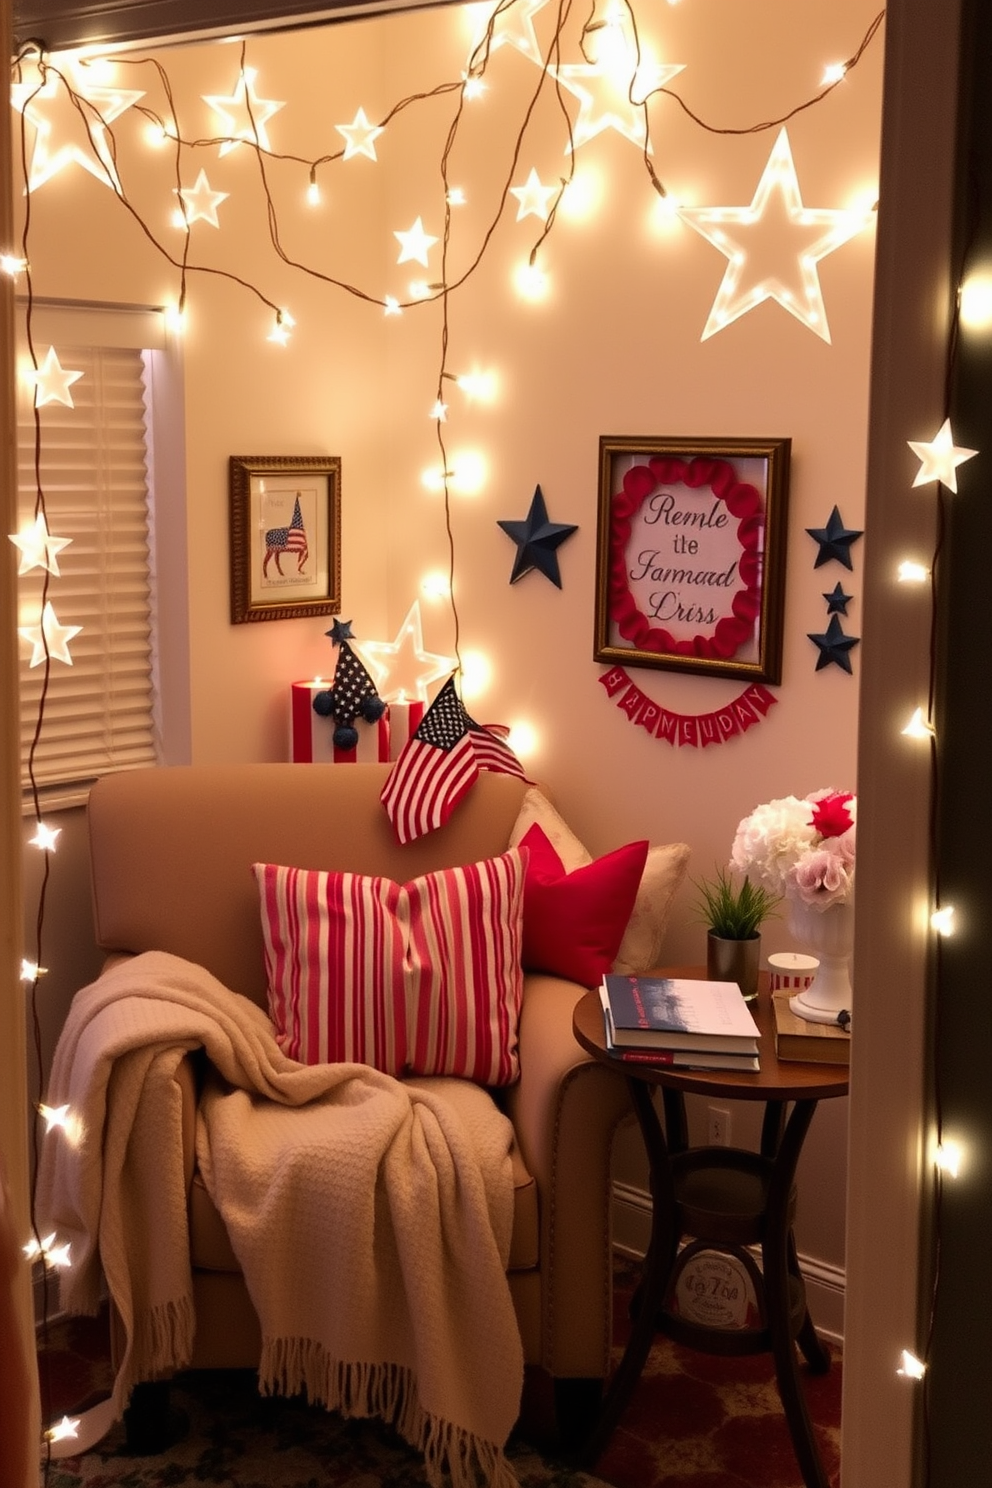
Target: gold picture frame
{"type": "Point", "coordinates": [285, 536]}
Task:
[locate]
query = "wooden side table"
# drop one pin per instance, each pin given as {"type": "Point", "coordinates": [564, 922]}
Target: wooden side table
{"type": "Point", "coordinates": [726, 1199]}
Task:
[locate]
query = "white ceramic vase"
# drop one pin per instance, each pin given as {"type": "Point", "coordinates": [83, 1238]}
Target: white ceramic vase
{"type": "Point", "coordinates": [827, 934]}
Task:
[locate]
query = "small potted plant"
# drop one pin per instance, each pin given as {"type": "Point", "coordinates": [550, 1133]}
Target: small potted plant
{"type": "Point", "coordinates": [733, 913]}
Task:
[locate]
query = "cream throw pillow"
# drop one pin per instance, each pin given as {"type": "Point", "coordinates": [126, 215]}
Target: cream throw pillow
{"type": "Point", "coordinates": [640, 949]}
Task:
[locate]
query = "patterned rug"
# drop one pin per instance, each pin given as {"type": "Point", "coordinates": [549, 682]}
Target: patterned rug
{"type": "Point", "coordinates": [694, 1421]}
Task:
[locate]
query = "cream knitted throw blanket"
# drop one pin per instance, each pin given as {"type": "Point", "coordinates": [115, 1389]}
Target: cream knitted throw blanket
{"type": "Point", "coordinates": [371, 1221]}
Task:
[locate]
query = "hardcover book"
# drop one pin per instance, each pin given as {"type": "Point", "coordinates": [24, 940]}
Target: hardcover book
{"type": "Point", "coordinates": [645, 1012]}
{"type": "Point", "coordinates": [809, 1043]}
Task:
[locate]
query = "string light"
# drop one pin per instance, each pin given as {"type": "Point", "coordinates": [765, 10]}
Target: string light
{"type": "Point", "coordinates": [523, 740]}
{"type": "Point", "coordinates": [401, 667]}
{"type": "Point", "coordinates": [530, 281]}
{"type": "Point", "coordinates": [533, 198]}
{"type": "Point", "coordinates": [948, 1157]}
{"type": "Point", "coordinates": [63, 1430]}
{"type": "Point", "coordinates": [472, 86]}
{"type": "Point", "coordinates": [53, 101]}
{"type": "Point", "coordinates": [12, 265]}
{"type": "Point", "coordinates": [359, 136]}
{"type": "Point", "coordinates": [281, 330]}
{"type": "Point", "coordinates": [942, 920]}
{"type": "Point", "coordinates": [479, 387]}
{"type": "Point", "coordinates": [415, 244]}
{"type": "Point", "coordinates": [465, 474]}
{"type": "Point", "coordinates": [45, 837]}
{"type": "Point", "coordinates": [436, 586]}
{"type": "Point", "coordinates": [38, 549]}
{"type": "Point", "coordinates": [391, 306]}
{"type": "Point", "coordinates": [242, 113]}
{"type": "Point", "coordinates": [939, 458]}
{"type": "Point", "coordinates": [52, 381]}
{"type": "Point", "coordinates": [833, 73]}
{"type": "Point", "coordinates": [812, 233]}
{"type": "Point", "coordinates": [511, 25]}
{"type": "Point", "coordinates": [31, 971]}
{"type": "Point", "coordinates": [975, 302]}
{"type": "Point", "coordinates": [911, 572]}
{"type": "Point", "coordinates": [918, 727]}
{"type": "Point", "coordinates": [476, 674]}
{"type": "Point", "coordinates": [439, 412]}
{"type": "Point", "coordinates": [200, 203]}
{"type": "Point", "coordinates": [49, 638]}
{"type": "Point", "coordinates": [53, 1116]}
{"type": "Point", "coordinates": [911, 1367]}
{"type": "Point", "coordinates": [455, 196]}
{"type": "Point", "coordinates": [45, 1250]}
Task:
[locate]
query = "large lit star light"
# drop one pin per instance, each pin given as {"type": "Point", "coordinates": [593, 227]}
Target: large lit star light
{"type": "Point", "coordinates": [533, 198]}
{"type": "Point", "coordinates": [200, 203]}
{"type": "Point", "coordinates": [773, 246]}
{"type": "Point", "coordinates": [242, 113]}
{"type": "Point", "coordinates": [612, 90]}
{"type": "Point", "coordinates": [37, 547]}
{"type": "Point", "coordinates": [359, 136]}
{"type": "Point", "coordinates": [939, 458]}
{"type": "Point", "coordinates": [513, 25]}
{"type": "Point", "coordinates": [64, 134]}
{"type": "Point", "coordinates": [52, 381]}
{"type": "Point", "coordinates": [415, 244]}
{"type": "Point", "coordinates": [402, 669]}
{"type": "Point", "coordinates": [49, 637]}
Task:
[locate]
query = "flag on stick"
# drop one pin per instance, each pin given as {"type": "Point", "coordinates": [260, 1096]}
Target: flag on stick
{"type": "Point", "coordinates": [439, 764]}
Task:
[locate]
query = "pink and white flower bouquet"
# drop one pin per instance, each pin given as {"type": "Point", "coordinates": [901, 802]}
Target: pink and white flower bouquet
{"type": "Point", "coordinates": [803, 848]}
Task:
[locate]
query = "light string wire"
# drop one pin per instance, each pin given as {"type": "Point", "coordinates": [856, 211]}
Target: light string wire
{"type": "Point", "coordinates": [186, 266]}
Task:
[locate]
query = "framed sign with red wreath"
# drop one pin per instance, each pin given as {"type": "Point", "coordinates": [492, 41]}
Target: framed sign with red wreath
{"type": "Point", "coordinates": [690, 560]}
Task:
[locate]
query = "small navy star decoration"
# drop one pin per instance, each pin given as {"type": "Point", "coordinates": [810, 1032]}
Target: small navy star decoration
{"type": "Point", "coordinates": [340, 631]}
{"type": "Point", "coordinates": [537, 541]}
{"type": "Point", "coordinates": [834, 645]}
{"type": "Point", "coordinates": [837, 600]}
{"type": "Point", "coordinates": [835, 540]}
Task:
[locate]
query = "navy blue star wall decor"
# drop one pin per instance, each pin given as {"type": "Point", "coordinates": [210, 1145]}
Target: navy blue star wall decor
{"type": "Point", "coordinates": [537, 540]}
{"type": "Point", "coordinates": [837, 600]}
{"type": "Point", "coordinates": [834, 646]}
{"type": "Point", "coordinates": [835, 540]}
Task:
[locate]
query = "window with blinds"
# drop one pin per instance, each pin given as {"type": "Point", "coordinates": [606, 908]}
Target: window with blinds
{"type": "Point", "coordinates": [97, 714]}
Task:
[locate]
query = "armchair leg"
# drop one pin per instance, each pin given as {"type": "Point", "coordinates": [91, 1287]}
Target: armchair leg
{"type": "Point", "coordinates": [577, 1403]}
{"type": "Point", "coordinates": [151, 1424]}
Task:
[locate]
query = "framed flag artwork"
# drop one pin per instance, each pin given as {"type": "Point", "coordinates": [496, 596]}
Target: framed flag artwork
{"type": "Point", "coordinates": [285, 536]}
{"type": "Point", "coordinates": [690, 556]}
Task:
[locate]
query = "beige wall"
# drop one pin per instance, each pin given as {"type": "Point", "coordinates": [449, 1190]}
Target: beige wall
{"type": "Point", "coordinates": [614, 350]}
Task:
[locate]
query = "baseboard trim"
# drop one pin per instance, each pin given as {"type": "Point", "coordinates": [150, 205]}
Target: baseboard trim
{"type": "Point", "coordinates": [825, 1283]}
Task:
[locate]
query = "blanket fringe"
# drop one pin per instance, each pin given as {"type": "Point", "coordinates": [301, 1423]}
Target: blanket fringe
{"type": "Point", "coordinates": [453, 1457]}
{"type": "Point", "coordinates": [162, 1343]}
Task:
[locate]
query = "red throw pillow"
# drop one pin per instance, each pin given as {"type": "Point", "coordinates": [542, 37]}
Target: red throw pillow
{"type": "Point", "coordinates": [574, 922]}
{"type": "Point", "coordinates": [418, 978]}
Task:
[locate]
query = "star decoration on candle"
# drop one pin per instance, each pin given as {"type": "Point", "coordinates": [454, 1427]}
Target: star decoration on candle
{"type": "Point", "coordinates": [537, 540]}
{"type": "Point", "coordinates": [49, 637]}
{"type": "Point", "coordinates": [415, 244]}
{"type": "Point", "coordinates": [52, 381]}
{"type": "Point", "coordinates": [64, 133]}
{"type": "Point", "coordinates": [513, 25]}
{"type": "Point", "coordinates": [939, 458]}
{"type": "Point", "coordinates": [834, 540]}
{"type": "Point", "coordinates": [533, 198]}
{"type": "Point", "coordinates": [834, 645]}
{"type": "Point", "coordinates": [37, 547]}
{"type": "Point", "coordinates": [403, 670]}
{"type": "Point", "coordinates": [837, 600]}
{"type": "Point", "coordinates": [605, 99]}
{"type": "Point", "coordinates": [242, 113]}
{"type": "Point", "coordinates": [199, 202]}
{"type": "Point", "coordinates": [773, 246]}
{"type": "Point", "coordinates": [359, 136]}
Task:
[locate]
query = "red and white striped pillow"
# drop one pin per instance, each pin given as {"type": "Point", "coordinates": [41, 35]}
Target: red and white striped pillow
{"type": "Point", "coordinates": [418, 978]}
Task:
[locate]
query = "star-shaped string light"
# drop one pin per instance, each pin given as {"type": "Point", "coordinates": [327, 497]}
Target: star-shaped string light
{"type": "Point", "coordinates": [359, 136]}
{"type": "Point", "coordinates": [533, 198]}
{"type": "Point", "coordinates": [605, 95]}
{"type": "Point", "coordinates": [37, 547]}
{"type": "Point", "coordinates": [403, 670]}
{"type": "Point", "coordinates": [64, 134]}
{"type": "Point", "coordinates": [200, 203]}
{"type": "Point", "coordinates": [45, 837]}
{"type": "Point", "coordinates": [834, 645]}
{"type": "Point", "coordinates": [52, 381]}
{"type": "Point", "coordinates": [415, 244]}
{"type": "Point", "coordinates": [939, 458]}
{"type": "Point", "coordinates": [50, 637]}
{"type": "Point", "coordinates": [513, 26]}
{"type": "Point", "coordinates": [242, 113]}
{"type": "Point", "coordinates": [773, 246]}
{"type": "Point", "coordinates": [834, 540]}
{"type": "Point", "coordinates": [837, 600]}
{"type": "Point", "coordinates": [537, 540]}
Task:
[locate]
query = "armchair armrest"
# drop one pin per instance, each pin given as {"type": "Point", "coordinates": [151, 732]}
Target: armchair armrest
{"type": "Point", "coordinates": [565, 1109]}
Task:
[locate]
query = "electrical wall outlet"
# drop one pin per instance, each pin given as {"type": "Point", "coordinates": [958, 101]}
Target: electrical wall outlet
{"type": "Point", "coordinates": [718, 1126]}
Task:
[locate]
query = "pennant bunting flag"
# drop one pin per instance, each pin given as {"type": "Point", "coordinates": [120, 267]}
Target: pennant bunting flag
{"type": "Point", "coordinates": [687, 730]}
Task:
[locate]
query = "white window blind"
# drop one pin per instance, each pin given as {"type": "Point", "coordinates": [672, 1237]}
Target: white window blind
{"type": "Point", "coordinates": [98, 712]}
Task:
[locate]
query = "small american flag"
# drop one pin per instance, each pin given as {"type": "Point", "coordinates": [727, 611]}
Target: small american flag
{"type": "Point", "coordinates": [439, 764]}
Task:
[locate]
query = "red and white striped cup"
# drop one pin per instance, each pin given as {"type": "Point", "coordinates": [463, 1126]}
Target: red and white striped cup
{"type": "Point", "coordinates": [790, 971]}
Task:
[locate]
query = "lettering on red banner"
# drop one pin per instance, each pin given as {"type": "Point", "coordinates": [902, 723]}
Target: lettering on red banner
{"type": "Point", "coordinates": [688, 730]}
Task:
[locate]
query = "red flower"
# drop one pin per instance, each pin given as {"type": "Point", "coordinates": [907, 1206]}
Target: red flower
{"type": "Point", "coordinates": [831, 817]}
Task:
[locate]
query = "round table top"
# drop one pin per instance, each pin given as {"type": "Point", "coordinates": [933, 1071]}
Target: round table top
{"type": "Point", "coordinates": [774, 1080]}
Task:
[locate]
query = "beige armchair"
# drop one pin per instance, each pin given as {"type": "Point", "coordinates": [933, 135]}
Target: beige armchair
{"type": "Point", "coordinates": [171, 850]}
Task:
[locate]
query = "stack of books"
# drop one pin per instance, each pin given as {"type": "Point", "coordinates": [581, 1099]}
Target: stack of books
{"type": "Point", "coordinates": [816, 1043]}
{"type": "Point", "coordinates": [678, 1021]}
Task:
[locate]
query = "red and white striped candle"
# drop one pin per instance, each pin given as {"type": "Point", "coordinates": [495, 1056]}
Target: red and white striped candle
{"type": "Point", "coordinates": [312, 736]}
{"type": "Point", "coordinates": [788, 970]}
